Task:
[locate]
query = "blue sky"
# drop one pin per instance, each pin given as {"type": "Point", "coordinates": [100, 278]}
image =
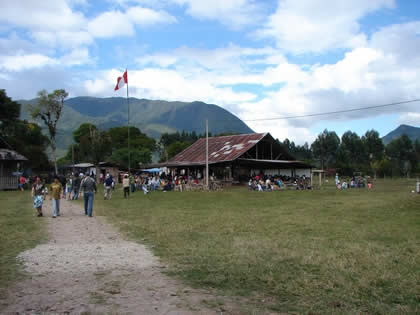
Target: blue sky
{"type": "Point", "coordinates": [257, 59]}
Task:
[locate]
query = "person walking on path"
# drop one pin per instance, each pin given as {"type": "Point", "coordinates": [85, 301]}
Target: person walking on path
{"type": "Point", "coordinates": [38, 194]}
{"type": "Point", "coordinates": [55, 195]}
{"type": "Point", "coordinates": [126, 186]}
{"type": "Point", "coordinates": [108, 184]}
{"type": "Point", "coordinates": [76, 186]}
{"type": "Point", "coordinates": [88, 187]}
{"type": "Point", "coordinates": [69, 187]}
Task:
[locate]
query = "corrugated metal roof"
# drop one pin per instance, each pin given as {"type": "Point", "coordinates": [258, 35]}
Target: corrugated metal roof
{"type": "Point", "coordinates": [10, 155]}
{"type": "Point", "coordinates": [221, 149]}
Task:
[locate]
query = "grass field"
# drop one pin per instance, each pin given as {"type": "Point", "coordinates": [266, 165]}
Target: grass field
{"type": "Point", "coordinates": [325, 251]}
{"type": "Point", "coordinates": [19, 230]}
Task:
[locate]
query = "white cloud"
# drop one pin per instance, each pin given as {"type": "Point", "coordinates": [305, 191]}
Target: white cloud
{"type": "Point", "coordinates": [76, 57]}
{"type": "Point", "coordinates": [117, 23]}
{"type": "Point", "coordinates": [307, 26]}
{"type": "Point", "coordinates": [63, 39]}
{"type": "Point", "coordinates": [24, 62]}
{"type": "Point", "coordinates": [412, 118]}
{"type": "Point", "coordinates": [145, 17]}
{"type": "Point", "coordinates": [168, 85]}
{"type": "Point", "coordinates": [111, 24]}
{"type": "Point", "coordinates": [234, 13]}
{"type": "Point", "coordinates": [48, 15]}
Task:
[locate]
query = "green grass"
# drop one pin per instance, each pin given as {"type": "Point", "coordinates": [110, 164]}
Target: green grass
{"type": "Point", "coordinates": [19, 230]}
{"type": "Point", "coordinates": [325, 251]}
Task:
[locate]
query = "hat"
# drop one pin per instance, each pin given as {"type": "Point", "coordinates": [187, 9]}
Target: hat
{"type": "Point", "coordinates": [81, 174]}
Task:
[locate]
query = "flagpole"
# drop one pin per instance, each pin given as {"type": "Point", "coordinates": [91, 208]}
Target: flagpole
{"type": "Point", "coordinates": [207, 154]}
{"type": "Point", "coordinates": [128, 128]}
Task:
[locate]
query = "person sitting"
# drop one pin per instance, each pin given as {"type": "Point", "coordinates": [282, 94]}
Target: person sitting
{"type": "Point", "coordinates": [268, 186]}
{"type": "Point", "coordinates": [261, 186]}
{"type": "Point", "coordinates": [338, 184]}
{"type": "Point", "coordinates": [167, 186]}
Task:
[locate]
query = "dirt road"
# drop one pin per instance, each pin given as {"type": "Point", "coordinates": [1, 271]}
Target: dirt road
{"type": "Point", "coordinates": [87, 267]}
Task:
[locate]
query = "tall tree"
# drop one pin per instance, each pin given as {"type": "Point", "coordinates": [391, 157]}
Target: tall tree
{"type": "Point", "coordinates": [373, 145]}
{"type": "Point", "coordinates": [49, 108]}
{"type": "Point", "coordinates": [21, 136]}
{"type": "Point", "coordinates": [325, 148]}
{"type": "Point", "coordinates": [9, 110]}
{"type": "Point", "coordinates": [355, 152]}
{"type": "Point", "coordinates": [402, 155]}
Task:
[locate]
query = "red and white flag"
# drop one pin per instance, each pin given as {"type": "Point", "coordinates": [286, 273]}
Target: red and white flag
{"type": "Point", "coordinates": [121, 81]}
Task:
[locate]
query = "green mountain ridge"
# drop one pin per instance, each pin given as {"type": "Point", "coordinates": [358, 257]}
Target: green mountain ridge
{"type": "Point", "coordinates": [152, 117]}
{"type": "Point", "coordinates": [412, 132]}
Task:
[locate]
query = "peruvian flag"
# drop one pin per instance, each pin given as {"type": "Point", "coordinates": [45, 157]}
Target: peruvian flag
{"type": "Point", "coordinates": [121, 81]}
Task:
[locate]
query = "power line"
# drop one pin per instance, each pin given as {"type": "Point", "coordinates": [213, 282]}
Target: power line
{"type": "Point", "coordinates": [334, 112]}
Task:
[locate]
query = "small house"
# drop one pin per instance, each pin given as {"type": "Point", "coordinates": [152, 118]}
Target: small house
{"type": "Point", "coordinates": [10, 164]}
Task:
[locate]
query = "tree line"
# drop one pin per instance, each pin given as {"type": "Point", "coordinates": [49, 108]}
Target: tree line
{"type": "Point", "coordinates": [354, 154]}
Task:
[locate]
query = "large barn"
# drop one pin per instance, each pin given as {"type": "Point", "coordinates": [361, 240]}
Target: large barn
{"type": "Point", "coordinates": [236, 158]}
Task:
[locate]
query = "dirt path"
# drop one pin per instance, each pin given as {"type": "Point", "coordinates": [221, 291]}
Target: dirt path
{"type": "Point", "coordinates": [87, 267]}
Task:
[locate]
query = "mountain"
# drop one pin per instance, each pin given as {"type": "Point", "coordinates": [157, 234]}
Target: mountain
{"type": "Point", "coordinates": [152, 117]}
{"type": "Point", "coordinates": [412, 132]}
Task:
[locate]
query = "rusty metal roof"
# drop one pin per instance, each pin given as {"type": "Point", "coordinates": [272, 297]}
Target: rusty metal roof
{"type": "Point", "coordinates": [221, 149]}
{"type": "Point", "coordinates": [10, 155]}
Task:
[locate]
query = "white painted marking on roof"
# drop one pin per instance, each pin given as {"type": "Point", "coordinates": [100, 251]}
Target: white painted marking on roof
{"type": "Point", "coordinates": [216, 155]}
{"type": "Point", "coordinates": [253, 141]}
{"type": "Point", "coordinates": [227, 142]}
{"type": "Point", "coordinates": [239, 146]}
{"type": "Point", "coordinates": [213, 153]}
{"type": "Point", "coordinates": [227, 152]}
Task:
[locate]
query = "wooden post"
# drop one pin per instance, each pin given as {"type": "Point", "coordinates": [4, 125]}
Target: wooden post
{"type": "Point", "coordinates": [311, 179]}
{"type": "Point", "coordinates": [271, 150]}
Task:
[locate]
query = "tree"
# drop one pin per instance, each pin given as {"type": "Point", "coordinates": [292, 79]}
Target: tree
{"type": "Point", "coordinates": [373, 145]}
{"type": "Point", "coordinates": [402, 155]}
{"type": "Point", "coordinates": [48, 109]}
{"type": "Point", "coordinates": [176, 147]}
{"type": "Point", "coordinates": [352, 153]}
{"type": "Point", "coordinates": [137, 156]}
{"type": "Point", "coordinates": [9, 110]}
{"type": "Point", "coordinates": [325, 148]}
{"type": "Point", "coordinates": [138, 140]}
{"type": "Point", "coordinates": [21, 136]}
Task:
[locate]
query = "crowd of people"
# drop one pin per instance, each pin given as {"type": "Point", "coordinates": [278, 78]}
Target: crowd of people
{"type": "Point", "coordinates": [269, 183]}
{"type": "Point", "coordinates": [354, 182]}
{"type": "Point", "coordinates": [155, 182]}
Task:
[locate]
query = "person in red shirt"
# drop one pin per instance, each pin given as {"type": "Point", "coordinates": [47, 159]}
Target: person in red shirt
{"type": "Point", "coordinates": [22, 182]}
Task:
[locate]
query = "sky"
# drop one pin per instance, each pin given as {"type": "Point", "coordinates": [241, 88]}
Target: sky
{"type": "Point", "coordinates": [257, 59]}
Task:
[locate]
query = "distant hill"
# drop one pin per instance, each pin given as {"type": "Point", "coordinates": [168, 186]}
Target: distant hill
{"type": "Point", "coordinates": [412, 132]}
{"type": "Point", "coordinates": [152, 117]}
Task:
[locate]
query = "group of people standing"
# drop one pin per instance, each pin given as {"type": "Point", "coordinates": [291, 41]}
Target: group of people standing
{"type": "Point", "coordinates": [76, 184]}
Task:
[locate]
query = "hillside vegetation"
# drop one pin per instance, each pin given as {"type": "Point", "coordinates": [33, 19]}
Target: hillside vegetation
{"type": "Point", "coordinates": [152, 117]}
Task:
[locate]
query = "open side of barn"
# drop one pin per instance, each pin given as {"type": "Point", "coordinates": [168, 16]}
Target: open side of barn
{"type": "Point", "coordinates": [236, 158]}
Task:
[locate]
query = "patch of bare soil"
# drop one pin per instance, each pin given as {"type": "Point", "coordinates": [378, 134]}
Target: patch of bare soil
{"type": "Point", "coordinates": [87, 267]}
